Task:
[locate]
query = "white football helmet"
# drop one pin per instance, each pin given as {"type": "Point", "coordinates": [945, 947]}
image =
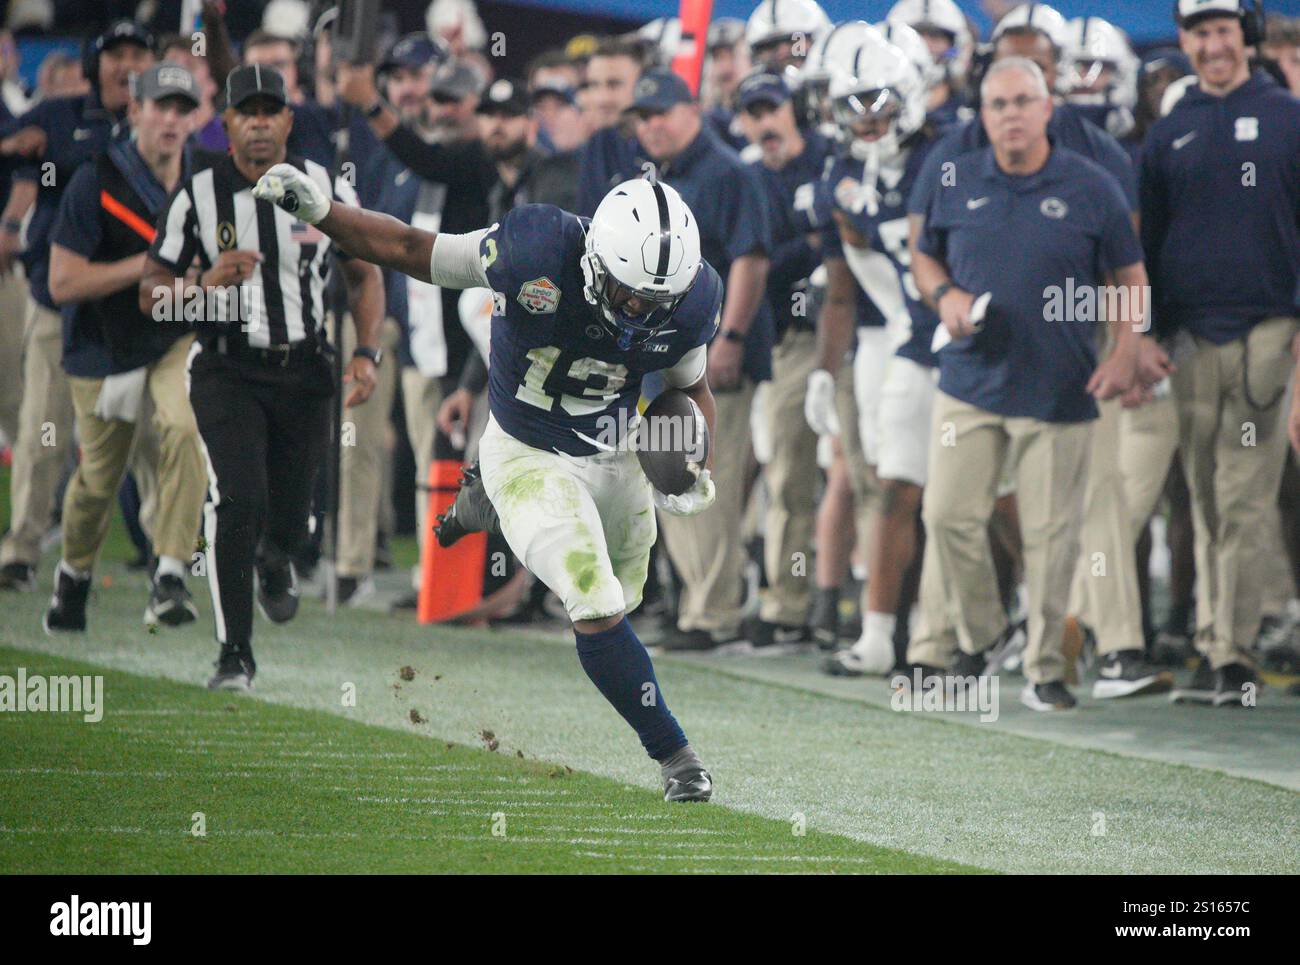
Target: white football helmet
{"type": "Point", "coordinates": [1092, 47]}
{"type": "Point", "coordinates": [662, 38]}
{"type": "Point", "coordinates": [913, 45]}
{"type": "Point", "coordinates": [642, 241]}
{"type": "Point", "coordinates": [945, 16]}
{"type": "Point", "coordinates": [834, 47]}
{"type": "Point", "coordinates": [776, 20]}
{"type": "Point", "coordinates": [879, 80]}
{"type": "Point", "coordinates": [1037, 16]}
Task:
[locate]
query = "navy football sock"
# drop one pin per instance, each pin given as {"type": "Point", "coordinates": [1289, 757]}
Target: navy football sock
{"type": "Point", "coordinates": [619, 666]}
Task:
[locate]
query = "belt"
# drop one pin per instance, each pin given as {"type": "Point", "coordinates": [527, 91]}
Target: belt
{"type": "Point", "coordinates": [282, 355]}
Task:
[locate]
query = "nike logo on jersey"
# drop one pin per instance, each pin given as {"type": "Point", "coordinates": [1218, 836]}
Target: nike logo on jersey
{"type": "Point", "coordinates": [1182, 142]}
{"type": "Point", "coordinates": [973, 204]}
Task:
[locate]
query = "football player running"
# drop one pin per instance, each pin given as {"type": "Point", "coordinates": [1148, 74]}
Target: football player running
{"type": "Point", "coordinates": [582, 311]}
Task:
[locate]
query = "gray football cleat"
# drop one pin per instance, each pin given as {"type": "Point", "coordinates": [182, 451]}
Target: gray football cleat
{"type": "Point", "coordinates": [472, 512]}
{"type": "Point", "coordinates": [694, 784]}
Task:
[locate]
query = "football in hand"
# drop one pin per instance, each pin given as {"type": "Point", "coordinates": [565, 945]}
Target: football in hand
{"type": "Point", "coordinates": [672, 442]}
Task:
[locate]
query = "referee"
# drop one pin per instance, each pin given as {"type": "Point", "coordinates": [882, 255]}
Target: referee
{"type": "Point", "coordinates": [260, 377]}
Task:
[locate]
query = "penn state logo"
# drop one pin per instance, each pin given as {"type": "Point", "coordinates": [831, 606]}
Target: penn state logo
{"type": "Point", "coordinates": [595, 331]}
{"type": "Point", "coordinates": [1246, 129]}
{"type": "Point", "coordinates": [539, 296]}
{"type": "Point", "coordinates": [225, 236]}
{"type": "Point", "coordinates": [1054, 208]}
{"type": "Point", "coordinates": [893, 199]}
{"type": "Point", "coordinates": [645, 87]}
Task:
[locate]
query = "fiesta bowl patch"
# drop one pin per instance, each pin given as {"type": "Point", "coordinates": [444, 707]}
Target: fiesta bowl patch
{"type": "Point", "coordinates": [539, 296]}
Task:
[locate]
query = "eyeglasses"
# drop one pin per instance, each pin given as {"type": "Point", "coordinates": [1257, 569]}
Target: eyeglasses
{"type": "Point", "coordinates": [999, 105]}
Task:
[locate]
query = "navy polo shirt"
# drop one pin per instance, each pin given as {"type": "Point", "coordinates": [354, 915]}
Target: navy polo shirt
{"type": "Point", "coordinates": [728, 200]}
{"type": "Point", "coordinates": [791, 205]}
{"type": "Point", "coordinates": [1020, 237]}
{"type": "Point", "coordinates": [1220, 210]}
{"type": "Point", "coordinates": [1067, 128]}
{"type": "Point", "coordinates": [604, 161]}
{"type": "Point", "coordinates": [76, 129]}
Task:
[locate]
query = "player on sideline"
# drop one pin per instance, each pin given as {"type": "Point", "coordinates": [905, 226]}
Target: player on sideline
{"type": "Point", "coordinates": [583, 310]}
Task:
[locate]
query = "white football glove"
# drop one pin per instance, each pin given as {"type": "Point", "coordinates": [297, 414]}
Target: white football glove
{"type": "Point", "coordinates": [695, 500]}
{"type": "Point", "coordinates": [819, 404]}
{"type": "Point", "coordinates": [284, 185]}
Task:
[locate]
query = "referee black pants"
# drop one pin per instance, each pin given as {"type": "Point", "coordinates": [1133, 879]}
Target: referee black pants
{"type": "Point", "coordinates": [265, 430]}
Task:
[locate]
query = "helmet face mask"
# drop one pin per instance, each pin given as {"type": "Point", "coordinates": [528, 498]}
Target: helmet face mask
{"type": "Point", "coordinates": [882, 105]}
{"type": "Point", "coordinates": [610, 297]}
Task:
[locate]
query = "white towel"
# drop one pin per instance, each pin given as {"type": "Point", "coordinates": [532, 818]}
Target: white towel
{"type": "Point", "coordinates": [120, 396]}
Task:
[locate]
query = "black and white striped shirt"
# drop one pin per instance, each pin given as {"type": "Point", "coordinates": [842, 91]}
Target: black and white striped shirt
{"type": "Point", "coordinates": [215, 211]}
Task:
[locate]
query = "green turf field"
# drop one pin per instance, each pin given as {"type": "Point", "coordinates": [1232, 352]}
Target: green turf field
{"type": "Point", "coordinates": [298, 777]}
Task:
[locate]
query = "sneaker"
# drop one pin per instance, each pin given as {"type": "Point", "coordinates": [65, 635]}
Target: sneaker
{"type": "Point", "coordinates": [1124, 673]}
{"type": "Point", "coordinates": [235, 671]}
{"type": "Point", "coordinates": [67, 612]}
{"type": "Point", "coordinates": [694, 784]}
{"type": "Point", "coordinates": [761, 633]}
{"type": "Point", "coordinates": [866, 658]}
{"type": "Point", "coordinates": [1233, 683]}
{"type": "Point", "coordinates": [277, 591]}
{"type": "Point", "coordinates": [1200, 690]}
{"type": "Point", "coordinates": [170, 603]}
{"type": "Point", "coordinates": [18, 576]}
{"type": "Point", "coordinates": [969, 664]}
{"type": "Point", "coordinates": [685, 640]}
{"type": "Point", "coordinates": [1048, 697]}
{"type": "Point", "coordinates": [472, 512]}
{"type": "Point", "coordinates": [353, 590]}
{"type": "Point", "coordinates": [825, 618]}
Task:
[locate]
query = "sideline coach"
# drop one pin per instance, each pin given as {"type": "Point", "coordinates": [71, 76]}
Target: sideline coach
{"type": "Point", "coordinates": [260, 382]}
{"type": "Point", "coordinates": [1220, 192]}
{"type": "Point", "coordinates": [1022, 217]}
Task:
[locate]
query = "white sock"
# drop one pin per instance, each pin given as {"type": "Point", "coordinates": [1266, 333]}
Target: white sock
{"type": "Point", "coordinates": [879, 627]}
{"type": "Point", "coordinates": [78, 575]}
{"type": "Point", "coordinates": [170, 566]}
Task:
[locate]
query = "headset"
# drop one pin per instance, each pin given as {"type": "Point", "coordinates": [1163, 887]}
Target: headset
{"type": "Point", "coordinates": [94, 46]}
{"type": "Point", "coordinates": [1252, 21]}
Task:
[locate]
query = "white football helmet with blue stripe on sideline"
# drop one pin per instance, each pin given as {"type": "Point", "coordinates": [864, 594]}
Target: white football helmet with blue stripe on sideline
{"type": "Point", "coordinates": [940, 16]}
{"type": "Point", "coordinates": [642, 242]}
{"type": "Point", "coordinates": [794, 21]}
{"type": "Point", "coordinates": [913, 45]}
{"type": "Point", "coordinates": [1094, 47]}
{"type": "Point", "coordinates": [1034, 16]}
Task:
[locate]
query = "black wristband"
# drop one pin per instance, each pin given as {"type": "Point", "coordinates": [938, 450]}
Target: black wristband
{"type": "Point", "coordinates": [11, 224]}
{"type": "Point", "coordinates": [374, 354]}
{"type": "Point", "coordinates": [731, 335]}
{"type": "Point", "coordinates": [375, 109]}
{"type": "Point", "coordinates": [939, 291]}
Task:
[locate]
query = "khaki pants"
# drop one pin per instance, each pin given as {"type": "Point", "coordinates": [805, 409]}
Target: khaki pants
{"type": "Point", "coordinates": [706, 549]}
{"type": "Point", "coordinates": [968, 447]}
{"type": "Point", "coordinates": [791, 482]}
{"type": "Point", "coordinates": [1104, 594]}
{"type": "Point", "coordinates": [421, 396]}
{"type": "Point", "coordinates": [1231, 405]}
{"type": "Point", "coordinates": [45, 422]}
{"type": "Point", "coordinates": [361, 463]}
{"type": "Point", "coordinates": [13, 319]}
{"type": "Point", "coordinates": [105, 448]}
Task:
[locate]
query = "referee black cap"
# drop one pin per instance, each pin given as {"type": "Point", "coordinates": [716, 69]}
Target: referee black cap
{"type": "Point", "coordinates": [255, 80]}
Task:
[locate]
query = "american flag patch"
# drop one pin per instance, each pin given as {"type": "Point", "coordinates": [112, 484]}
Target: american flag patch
{"type": "Point", "coordinates": [306, 234]}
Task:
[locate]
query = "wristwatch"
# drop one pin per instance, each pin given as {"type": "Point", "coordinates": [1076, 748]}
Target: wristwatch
{"type": "Point", "coordinates": [731, 335]}
{"type": "Point", "coordinates": [939, 291]}
{"type": "Point", "coordinates": [375, 355]}
{"type": "Point", "coordinates": [375, 109]}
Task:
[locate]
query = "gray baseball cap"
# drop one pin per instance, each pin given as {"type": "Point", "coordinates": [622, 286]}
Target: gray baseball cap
{"type": "Point", "coordinates": [165, 80]}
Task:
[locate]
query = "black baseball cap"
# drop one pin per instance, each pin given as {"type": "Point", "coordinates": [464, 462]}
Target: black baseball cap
{"type": "Point", "coordinates": [123, 32]}
{"type": "Point", "coordinates": [165, 80]}
{"type": "Point", "coordinates": [456, 80]}
{"type": "Point", "coordinates": [415, 50]}
{"type": "Point", "coordinates": [658, 90]}
{"type": "Point", "coordinates": [762, 86]}
{"type": "Point", "coordinates": [255, 80]}
{"type": "Point", "coordinates": [504, 97]}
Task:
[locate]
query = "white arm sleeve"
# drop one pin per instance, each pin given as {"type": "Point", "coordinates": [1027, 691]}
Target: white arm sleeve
{"type": "Point", "coordinates": [689, 369]}
{"type": "Point", "coordinates": [455, 262]}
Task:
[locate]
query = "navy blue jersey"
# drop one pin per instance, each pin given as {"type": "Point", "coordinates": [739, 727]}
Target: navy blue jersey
{"type": "Point", "coordinates": [1031, 241]}
{"type": "Point", "coordinates": [76, 129]}
{"type": "Point", "coordinates": [793, 213]}
{"type": "Point", "coordinates": [886, 232]}
{"type": "Point", "coordinates": [1067, 128]}
{"type": "Point", "coordinates": [1220, 206]}
{"type": "Point", "coordinates": [866, 315]}
{"type": "Point", "coordinates": [556, 377]}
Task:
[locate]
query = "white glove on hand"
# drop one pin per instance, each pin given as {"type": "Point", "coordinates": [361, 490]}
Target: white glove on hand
{"type": "Point", "coordinates": [819, 404]}
{"type": "Point", "coordinates": [695, 500]}
{"type": "Point", "coordinates": [284, 185]}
